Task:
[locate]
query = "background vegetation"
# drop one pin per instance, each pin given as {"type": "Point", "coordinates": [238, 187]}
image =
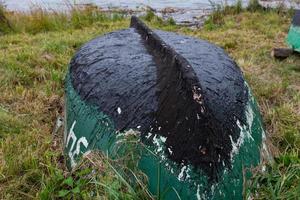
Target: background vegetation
{"type": "Point", "coordinates": [35, 49]}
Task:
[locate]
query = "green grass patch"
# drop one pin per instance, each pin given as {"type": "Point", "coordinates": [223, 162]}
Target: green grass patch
{"type": "Point", "coordinates": [279, 180]}
{"type": "Point", "coordinates": [9, 124]}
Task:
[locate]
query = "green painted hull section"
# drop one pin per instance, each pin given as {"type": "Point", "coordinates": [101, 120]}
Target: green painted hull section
{"type": "Point", "coordinates": [293, 38]}
{"type": "Point", "coordinates": [87, 129]}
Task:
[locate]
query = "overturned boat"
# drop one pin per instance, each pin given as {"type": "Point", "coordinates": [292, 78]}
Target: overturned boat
{"type": "Point", "coordinates": [200, 127]}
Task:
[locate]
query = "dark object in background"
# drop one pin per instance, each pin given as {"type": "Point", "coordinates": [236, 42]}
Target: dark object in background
{"type": "Point", "coordinates": [282, 53]}
{"type": "Point", "coordinates": [293, 39]}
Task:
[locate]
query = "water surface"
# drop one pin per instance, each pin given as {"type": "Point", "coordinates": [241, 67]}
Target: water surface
{"type": "Point", "coordinates": [184, 12]}
{"type": "Point", "coordinates": [23, 5]}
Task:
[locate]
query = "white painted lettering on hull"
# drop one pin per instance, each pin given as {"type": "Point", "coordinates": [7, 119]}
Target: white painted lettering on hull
{"type": "Point", "coordinates": [75, 146]}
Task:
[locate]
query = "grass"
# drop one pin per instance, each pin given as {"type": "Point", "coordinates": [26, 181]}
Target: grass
{"type": "Point", "coordinates": [5, 25]}
{"type": "Point", "coordinates": [34, 54]}
{"type": "Point", "coordinates": [39, 20]}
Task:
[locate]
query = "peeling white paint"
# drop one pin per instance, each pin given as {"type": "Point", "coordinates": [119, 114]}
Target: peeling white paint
{"type": "Point", "coordinates": [170, 151]}
{"type": "Point", "coordinates": [119, 110]}
{"type": "Point", "coordinates": [198, 193]}
{"type": "Point", "coordinates": [245, 132]}
{"type": "Point", "coordinates": [213, 189]}
{"type": "Point", "coordinates": [149, 135]}
{"type": "Point", "coordinates": [180, 176]}
{"type": "Point", "coordinates": [188, 176]}
{"type": "Point", "coordinates": [163, 139]}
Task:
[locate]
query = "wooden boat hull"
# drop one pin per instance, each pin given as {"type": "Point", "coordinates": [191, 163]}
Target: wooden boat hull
{"type": "Point", "coordinates": [200, 126]}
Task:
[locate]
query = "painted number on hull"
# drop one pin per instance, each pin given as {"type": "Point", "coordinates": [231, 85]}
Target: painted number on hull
{"type": "Point", "coordinates": [75, 146]}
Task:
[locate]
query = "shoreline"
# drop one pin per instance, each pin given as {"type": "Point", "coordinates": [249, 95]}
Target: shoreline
{"type": "Point", "coordinates": [185, 16]}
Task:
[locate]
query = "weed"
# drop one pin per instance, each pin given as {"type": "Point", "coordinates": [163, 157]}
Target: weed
{"type": "Point", "coordinates": [238, 7]}
{"type": "Point", "coordinates": [149, 15]}
{"type": "Point", "coordinates": [254, 5]}
{"type": "Point", "coordinates": [41, 20]}
{"type": "Point", "coordinates": [97, 176]}
{"type": "Point", "coordinates": [279, 180]}
{"type": "Point", "coordinates": [5, 25]}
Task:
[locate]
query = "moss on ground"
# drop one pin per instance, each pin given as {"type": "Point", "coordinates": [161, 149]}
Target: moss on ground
{"type": "Point", "coordinates": [33, 60]}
